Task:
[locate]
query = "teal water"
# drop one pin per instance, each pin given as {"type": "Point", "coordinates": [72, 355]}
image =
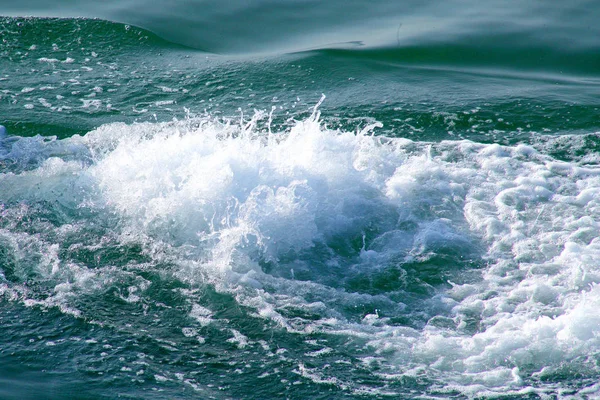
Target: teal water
{"type": "Point", "coordinates": [299, 200]}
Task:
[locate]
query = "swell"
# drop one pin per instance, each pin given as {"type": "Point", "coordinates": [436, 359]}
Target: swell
{"type": "Point", "coordinates": [65, 34]}
{"type": "Point", "coordinates": [492, 53]}
{"type": "Point", "coordinates": [516, 50]}
{"type": "Point", "coordinates": [238, 27]}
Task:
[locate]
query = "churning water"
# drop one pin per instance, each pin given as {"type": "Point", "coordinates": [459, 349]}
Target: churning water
{"type": "Point", "coordinates": [183, 214]}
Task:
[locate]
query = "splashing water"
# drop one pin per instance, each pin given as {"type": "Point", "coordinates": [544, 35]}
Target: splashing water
{"type": "Point", "coordinates": [451, 268]}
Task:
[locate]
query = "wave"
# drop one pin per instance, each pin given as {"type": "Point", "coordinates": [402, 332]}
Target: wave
{"type": "Point", "coordinates": [486, 55]}
{"type": "Point", "coordinates": [399, 35]}
{"type": "Point", "coordinates": [63, 35]}
{"type": "Point", "coordinates": [467, 267]}
{"type": "Point", "coordinates": [95, 71]}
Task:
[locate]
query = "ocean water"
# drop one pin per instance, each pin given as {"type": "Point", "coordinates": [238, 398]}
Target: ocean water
{"type": "Point", "coordinates": [299, 200]}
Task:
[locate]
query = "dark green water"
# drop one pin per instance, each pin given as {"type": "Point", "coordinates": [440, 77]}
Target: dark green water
{"type": "Point", "coordinates": [299, 200]}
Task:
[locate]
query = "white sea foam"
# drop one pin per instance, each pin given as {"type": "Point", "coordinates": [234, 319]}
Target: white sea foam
{"type": "Point", "coordinates": [285, 221]}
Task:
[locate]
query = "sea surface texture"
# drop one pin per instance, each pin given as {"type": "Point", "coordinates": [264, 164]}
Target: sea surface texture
{"type": "Point", "coordinates": [299, 199]}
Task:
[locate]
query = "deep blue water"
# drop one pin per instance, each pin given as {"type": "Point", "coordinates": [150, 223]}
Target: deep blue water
{"type": "Point", "coordinates": [299, 199]}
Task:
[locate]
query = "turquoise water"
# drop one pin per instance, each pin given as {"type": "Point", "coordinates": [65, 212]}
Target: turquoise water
{"type": "Point", "coordinates": [299, 200]}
